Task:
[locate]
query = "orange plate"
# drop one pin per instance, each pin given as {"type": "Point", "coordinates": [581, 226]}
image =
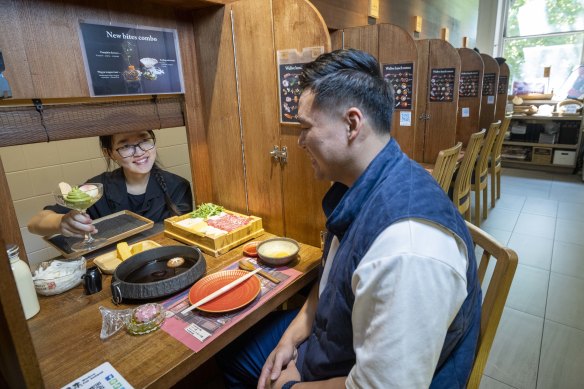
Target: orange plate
{"type": "Point", "coordinates": [236, 298]}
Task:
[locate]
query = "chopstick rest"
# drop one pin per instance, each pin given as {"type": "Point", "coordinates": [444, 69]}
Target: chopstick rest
{"type": "Point", "coordinates": [219, 292]}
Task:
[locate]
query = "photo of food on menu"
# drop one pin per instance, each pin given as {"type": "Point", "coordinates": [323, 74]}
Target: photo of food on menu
{"type": "Point", "coordinates": [123, 60]}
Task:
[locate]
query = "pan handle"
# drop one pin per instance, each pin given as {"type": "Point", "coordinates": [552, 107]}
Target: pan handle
{"type": "Point", "coordinates": [116, 292]}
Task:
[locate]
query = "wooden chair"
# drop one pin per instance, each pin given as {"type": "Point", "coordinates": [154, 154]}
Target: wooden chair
{"type": "Point", "coordinates": [480, 176]}
{"type": "Point", "coordinates": [494, 296]}
{"type": "Point", "coordinates": [443, 169]}
{"type": "Point", "coordinates": [461, 187]}
{"type": "Point", "coordinates": [495, 162]}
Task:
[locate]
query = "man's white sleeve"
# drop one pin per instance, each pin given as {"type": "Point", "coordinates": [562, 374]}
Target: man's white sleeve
{"type": "Point", "coordinates": [408, 288]}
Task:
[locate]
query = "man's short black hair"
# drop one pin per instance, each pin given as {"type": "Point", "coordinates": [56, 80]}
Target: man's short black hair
{"type": "Point", "coordinates": [344, 78]}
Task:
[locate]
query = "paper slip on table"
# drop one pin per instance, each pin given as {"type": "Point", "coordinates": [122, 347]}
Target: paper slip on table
{"type": "Point", "coordinates": [65, 332]}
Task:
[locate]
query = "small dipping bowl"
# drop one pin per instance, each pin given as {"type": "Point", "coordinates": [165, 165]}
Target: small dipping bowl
{"type": "Point", "coordinates": [278, 251]}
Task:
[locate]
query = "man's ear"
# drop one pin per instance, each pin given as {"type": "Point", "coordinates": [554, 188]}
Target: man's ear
{"type": "Point", "coordinates": [354, 119]}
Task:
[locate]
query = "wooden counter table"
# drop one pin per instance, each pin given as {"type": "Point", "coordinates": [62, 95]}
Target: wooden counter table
{"type": "Point", "coordinates": [66, 331]}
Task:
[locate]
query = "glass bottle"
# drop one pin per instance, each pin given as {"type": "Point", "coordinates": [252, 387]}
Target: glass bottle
{"type": "Point", "coordinates": [24, 283]}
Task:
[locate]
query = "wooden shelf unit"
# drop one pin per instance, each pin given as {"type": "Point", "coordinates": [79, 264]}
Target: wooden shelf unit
{"type": "Point", "coordinates": [554, 148]}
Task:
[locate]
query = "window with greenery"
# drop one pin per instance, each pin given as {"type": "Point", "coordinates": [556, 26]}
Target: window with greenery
{"type": "Point", "coordinates": [544, 33]}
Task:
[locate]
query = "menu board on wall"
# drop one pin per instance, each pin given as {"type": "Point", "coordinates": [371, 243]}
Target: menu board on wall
{"type": "Point", "coordinates": [130, 60]}
{"type": "Point", "coordinates": [469, 84]}
{"type": "Point", "coordinates": [401, 78]}
{"type": "Point", "coordinates": [503, 85]}
{"type": "Point", "coordinates": [489, 81]}
{"type": "Point", "coordinates": [442, 85]}
{"type": "Point", "coordinates": [290, 64]}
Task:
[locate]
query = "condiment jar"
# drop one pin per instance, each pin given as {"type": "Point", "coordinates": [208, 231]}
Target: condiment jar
{"type": "Point", "coordinates": [24, 283]}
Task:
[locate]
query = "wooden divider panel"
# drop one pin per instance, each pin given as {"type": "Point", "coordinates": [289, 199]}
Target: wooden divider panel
{"type": "Point", "coordinates": [258, 106]}
{"type": "Point", "coordinates": [365, 38]}
{"type": "Point", "coordinates": [489, 91]}
{"type": "Point", "coordinates": [502, 92]}
{"type": "Point", "coordinates": [297, 24]}
{"type": "Point", "coordinates": [398, 52]}
{"type": "Point", "coordinates": [469, 94]}
{"type": "Point", "coordinates": [437, 102]}
{"type": "Point", "coordinates": [336, 39]}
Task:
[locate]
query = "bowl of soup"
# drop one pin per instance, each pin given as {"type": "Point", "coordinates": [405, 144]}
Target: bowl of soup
{"type": "Point", "coordinates": [278, 251]}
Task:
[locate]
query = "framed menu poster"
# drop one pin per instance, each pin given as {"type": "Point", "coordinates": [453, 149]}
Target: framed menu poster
{"type": "Point", "coordinates": [442, 85]}
{"type": "Point", "coordinates": [401, 78]}
{"type": "Point", "coordinates": [469, 84]}
{"type": "Point", "coordinates": [290, 64]}
{"type": "Point", "coordinates": [130, 60]}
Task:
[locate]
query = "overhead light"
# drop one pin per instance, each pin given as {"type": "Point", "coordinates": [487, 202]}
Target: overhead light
{"type": "Point", "coordinates": [417, 24]}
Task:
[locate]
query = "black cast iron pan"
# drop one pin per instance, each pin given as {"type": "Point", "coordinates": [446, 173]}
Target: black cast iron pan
{"type": "Point", "coordinates": [147, 275]}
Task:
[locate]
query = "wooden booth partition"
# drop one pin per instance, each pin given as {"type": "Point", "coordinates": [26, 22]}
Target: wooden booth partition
{"type": "Point", "coordinates": [297, 24]}
{"type": "Point", "coordinates": [502, 92]}
{"type": "Point", "coordinates": [396, 52]}
{"type": "Point", "coordinates": [489, 91]}
{"type": "Point", "coordinates": [240, 90]}
{"type": "Point", "coordinates": [469, 94]}
{"type": "Point", "coordinates": [437, 102]}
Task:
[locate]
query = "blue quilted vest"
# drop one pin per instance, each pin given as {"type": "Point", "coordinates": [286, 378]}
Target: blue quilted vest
{"type": "Point", "coordinates": [392, 188]}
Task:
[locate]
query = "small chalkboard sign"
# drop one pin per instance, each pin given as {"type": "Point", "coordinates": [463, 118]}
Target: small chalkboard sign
{"type": "Point", "coordinates": [112, 228]}
{"type": "Point", "coordinates": [401, 78]}
{"type": "Point", "coordinates": [290, 64]}
{"type": "Point", "coordinates": [442, 85]}
{"type": "Point", "coordinates": [469, 84]}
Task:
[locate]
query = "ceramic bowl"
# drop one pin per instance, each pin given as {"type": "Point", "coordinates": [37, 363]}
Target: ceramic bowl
{"type": "Point", "coordinates": [278, 251]}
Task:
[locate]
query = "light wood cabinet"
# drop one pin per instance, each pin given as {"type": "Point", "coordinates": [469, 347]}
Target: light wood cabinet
{"type": "Point", "coordinates": [543, 142]}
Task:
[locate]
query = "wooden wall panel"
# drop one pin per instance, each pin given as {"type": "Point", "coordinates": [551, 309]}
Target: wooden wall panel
{"type": "Point", "coordinates": [12, 46]}
{"type": "Point", "coordinates": [220, 119]}
{"type": "Point", "coordinates": [336, 39]}
{"type": "Point", "coordinates": [440, 127]}
{"type": "Point", "coordinates": [256, 69]}
{"type": "Point", "coordinates": [423, 47]}
{"type": "Point", "coordinates": [297, 24]}
{"type": "Point", "coordinates": [502, 92]}
{"type": "Point", "coordinates": [365, 38]}
{"type": "Point", "coordinates": [489, 102]}
{"type": "Point", "coordinates": [397, 46]}
{"type": "Point", "coordinates": [470, 61]}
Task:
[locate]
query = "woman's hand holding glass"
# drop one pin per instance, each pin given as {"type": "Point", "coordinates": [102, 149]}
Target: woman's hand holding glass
{"type": "Point", "coordinates": [77, 224]}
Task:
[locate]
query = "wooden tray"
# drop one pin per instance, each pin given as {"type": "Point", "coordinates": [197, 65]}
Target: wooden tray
{"type": "Point", "coordinates": [112, 228]}
{"type": "Point", "coordinates": [213, 246]}
{"type": "Point", "coordinates": [108, 262]}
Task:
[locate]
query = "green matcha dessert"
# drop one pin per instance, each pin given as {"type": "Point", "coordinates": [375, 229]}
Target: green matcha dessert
{"type": "Point", "coordinates": [78, 199]}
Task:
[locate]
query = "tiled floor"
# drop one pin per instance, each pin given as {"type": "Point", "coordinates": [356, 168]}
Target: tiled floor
{"type": "Point", "coordinates": [540, 340]}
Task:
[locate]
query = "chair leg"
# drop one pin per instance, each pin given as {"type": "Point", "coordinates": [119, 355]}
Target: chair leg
{"type": "Point", "coordinates": [485, 207]}
{"type": "Point", "coordinates": [499, 184]}
{"type": "Point", "coordinates": [477, 212]}
{"type": "Point", "coordinates": [467, 214]}
{"type": "Point", "coordinates": [493, 188]}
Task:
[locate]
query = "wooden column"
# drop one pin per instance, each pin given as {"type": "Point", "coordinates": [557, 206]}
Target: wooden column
{"type": "Point", "coordinates": [469, 98]}
{"type": "Point", "coordinates": [502, 92]}
{"type": "Point", "coordinates": [489, 92]}
{"type": "Point", "coordinates": [437, 101]}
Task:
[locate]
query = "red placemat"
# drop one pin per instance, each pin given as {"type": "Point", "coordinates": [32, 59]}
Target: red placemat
{"type": "Point", "coordinates": [196, 329]}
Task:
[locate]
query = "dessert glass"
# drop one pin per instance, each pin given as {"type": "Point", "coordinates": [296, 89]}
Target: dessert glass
{"type": "Point", "coordinates": [85, 196]}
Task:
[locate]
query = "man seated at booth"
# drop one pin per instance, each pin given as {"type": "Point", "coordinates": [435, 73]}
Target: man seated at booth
{"type": "Point", "coordinates": [398, 301]}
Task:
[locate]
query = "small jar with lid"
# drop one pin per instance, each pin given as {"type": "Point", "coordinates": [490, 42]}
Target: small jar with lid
{"type": "Point", "coordinates": [24, 283]}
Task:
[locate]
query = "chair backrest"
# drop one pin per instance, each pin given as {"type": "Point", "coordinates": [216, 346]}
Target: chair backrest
{"type": "Point", "coordinates": [445, 164]}
{"type": "Point", "coordinates": [482, 165]}
{"type": "Point", "coordinates": [495, 296]}
{"type": "Point", "coordinates": [461, 190]}
{"type": "Point", "coordinates": [498, 145]}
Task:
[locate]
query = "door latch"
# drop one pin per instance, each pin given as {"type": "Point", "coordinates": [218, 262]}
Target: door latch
{"type": "Point", "coordinates": [424, 116]}
{"type": "Point", "coordinates": [278, 155]}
